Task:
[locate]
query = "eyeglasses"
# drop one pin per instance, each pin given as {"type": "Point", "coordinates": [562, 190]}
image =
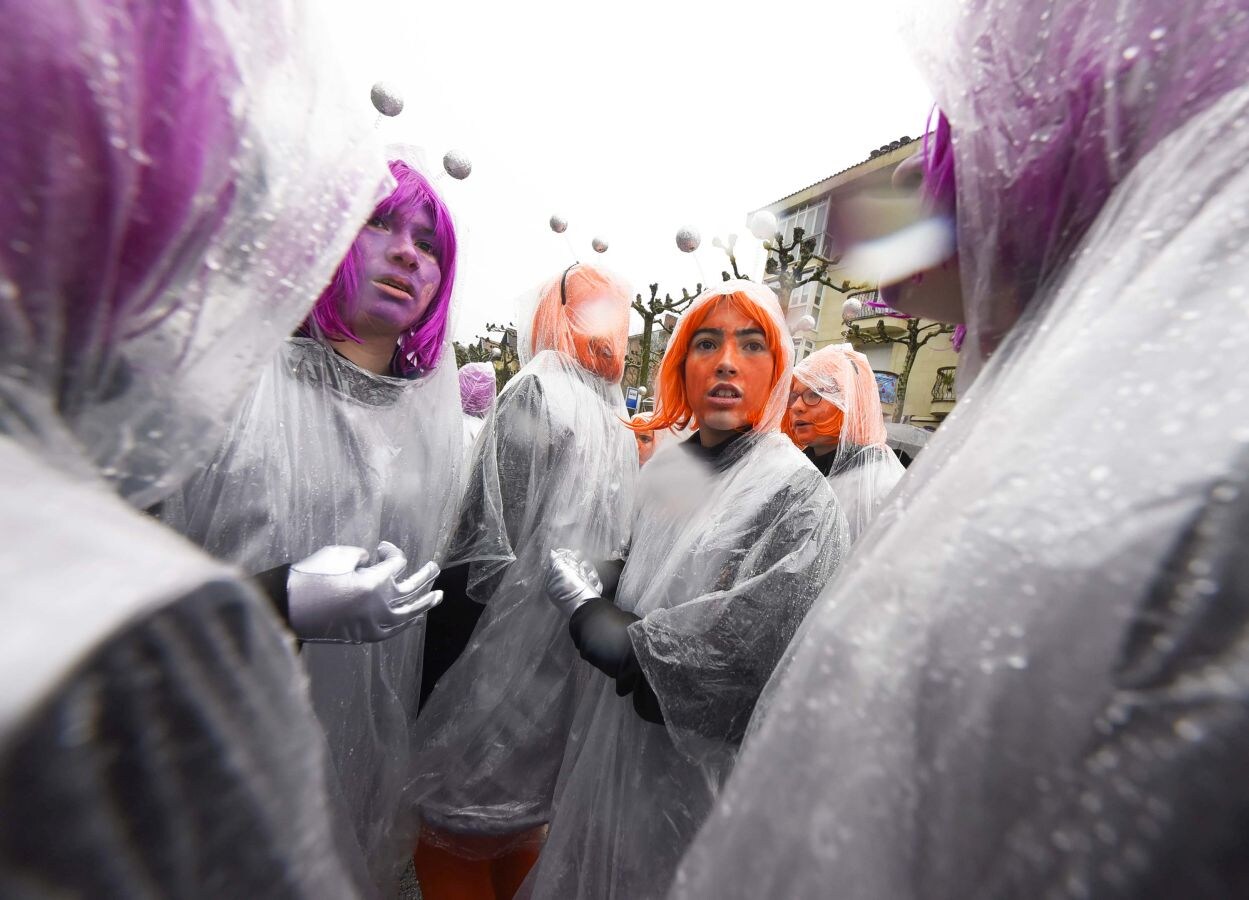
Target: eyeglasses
{"type": "Point", "coordinates": [809, 397]}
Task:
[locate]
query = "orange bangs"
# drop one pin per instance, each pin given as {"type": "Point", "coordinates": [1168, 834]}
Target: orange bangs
{"type": "Point", "coordinates": [672, 408]}
{"type": "Point", "coordinates": [588, 319]}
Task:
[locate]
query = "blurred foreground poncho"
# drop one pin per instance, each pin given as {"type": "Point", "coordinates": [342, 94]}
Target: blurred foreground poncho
{"type": "Point", "coordinates": [1033, 681]}
{"type": "Point", "coordinates": [159, 167]}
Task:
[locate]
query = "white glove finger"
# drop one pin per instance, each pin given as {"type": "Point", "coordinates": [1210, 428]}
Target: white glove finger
{"type": "Point", "coordinates": [403, 616]}
{"type": "Point", "coordinates": [385, 550]}
{"type": "Point", "coordinates": [419, 580]}
{"type": "Point", "coordinates": [390, 568]}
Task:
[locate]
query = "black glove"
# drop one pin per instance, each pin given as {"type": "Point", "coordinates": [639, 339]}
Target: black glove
{"type": "Point", "coordinates": [645, 703]}
{"type": "Point", "coordinates": [600, 631]}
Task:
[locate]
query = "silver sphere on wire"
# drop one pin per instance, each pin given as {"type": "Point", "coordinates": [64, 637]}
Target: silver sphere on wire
{"type": "Point", "coordinates": [559, 224]}
{"type": "Point", "coordinates": [599, 244]}
{"type": "Point", "coordinates": [642, 391]}
{"type": "Point", "coordinates": [852, 309]}
{"type": "Point", "coordinates": [688, 240]}
{"type": "Point", "coordinates": [457, 165]}
{"type": "Point", "coordinates": [386, 99]}
{"type": "Point", "coordinates": [763, 225]}
{"type": "Point", "coordinates": [806, 323]}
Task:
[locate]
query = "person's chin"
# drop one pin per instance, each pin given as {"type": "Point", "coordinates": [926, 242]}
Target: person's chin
{"type": "Point", "coordinates": [718, 420]}
{"type": "Point", "coordinates": [390, 317]}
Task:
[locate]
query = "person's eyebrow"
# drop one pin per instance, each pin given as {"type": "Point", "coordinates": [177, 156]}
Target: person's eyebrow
{"type": "Point", "coordinates": [749, 332]}
{"type": "Point", "coordinates": [714, 332]}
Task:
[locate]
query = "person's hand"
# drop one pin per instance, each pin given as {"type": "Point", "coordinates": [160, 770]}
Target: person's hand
{"type": "Point", "coordinates": [600, 631]}
{"type": "Point", "coordinates": [335, 597]}
{"type": "Point", "coordinates": [571, 581]}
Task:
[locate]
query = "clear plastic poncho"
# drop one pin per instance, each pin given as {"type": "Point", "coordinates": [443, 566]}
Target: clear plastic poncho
{"type": "Point", "coordinates": [1049, 698]}
{"type": "Point", "coordinates": [554, 467]}
{"type": "Point", "coordinates": [864, 469]}
{"type": "Point", "coordinates": [324, 452]}
{"type": "Point", "coordinates": [727, 555]}
{"type": "Point", "coordinates": [157, 176]}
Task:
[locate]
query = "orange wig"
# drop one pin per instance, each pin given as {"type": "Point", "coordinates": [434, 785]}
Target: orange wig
{"type": "Point", "coordinates": [672, 407]}
{"type": "Point", "coordinates": [585, 314]}
{"type": "Point", "coordinates": [851, 400]}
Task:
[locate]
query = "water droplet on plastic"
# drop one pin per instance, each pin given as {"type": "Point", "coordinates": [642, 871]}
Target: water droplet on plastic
{"type": "Point", "coordinates": [18, 246]}
{"type": "Point", "coordinates": [1189, 730]}
{"type": "Point", "coordinates": [1158, 33]}
{"type": "Point", "coordinates": [1131, 53]}
{"type": "Point", "coordinates": [9, 291]}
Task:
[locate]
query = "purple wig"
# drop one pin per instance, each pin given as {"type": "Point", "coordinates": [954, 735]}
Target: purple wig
{"type": "Point", "coordinates": [477, 387]}
{"type": "Point", "coordinates": [114, 172]}
{"type": "Point", "coordinates": [939, 184]}
{"type": "Point", "coordinates": [421, 346]}
{"type": "Point", "coordinates": [1050, 106]}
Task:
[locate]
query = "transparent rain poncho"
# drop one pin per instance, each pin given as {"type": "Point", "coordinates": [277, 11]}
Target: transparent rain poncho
{"type": "Point", "coordinates": [1048, 697]}
{"type": "Point", "coordinates": [554, 467]}
{"type": "Point", "coordinates": [864, 470]}
{"type": "Point", "coordinates": [324, 452]}
{"type": "Point", "coordinates": [327, 453]}
{"type": "Point", "coordinates": [158, 173]}
{"type": "Point", "coordinates": [727, 554]}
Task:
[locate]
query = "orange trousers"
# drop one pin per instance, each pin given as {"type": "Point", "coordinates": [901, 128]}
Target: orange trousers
{"type": "Point", "coordinates": [484, 869]}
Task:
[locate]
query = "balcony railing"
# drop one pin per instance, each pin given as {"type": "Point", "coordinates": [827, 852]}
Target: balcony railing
{"type": "Point", "coordinates": [943, 386]}
{"type": "Point", "coordinates": [872, 307]}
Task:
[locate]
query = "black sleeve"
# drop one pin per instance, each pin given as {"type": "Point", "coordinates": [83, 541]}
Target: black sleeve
{"type": "Point", "coordinates": [448, 627]}
{"type": "Point", "coordinates": [272, 584]}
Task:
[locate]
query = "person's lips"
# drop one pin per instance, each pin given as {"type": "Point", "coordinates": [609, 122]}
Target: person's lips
{"type": "Point", "coordinates": [395, 286]}
{"type": "Point", "coordinates": [724, 395]}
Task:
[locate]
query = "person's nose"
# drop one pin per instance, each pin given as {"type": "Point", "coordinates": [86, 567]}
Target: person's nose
{"type": "Point", "coordinates": [403, 253]}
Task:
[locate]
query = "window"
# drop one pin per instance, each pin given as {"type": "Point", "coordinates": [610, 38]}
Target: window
{"type": "Point", "coordinates": [807, 301]}
{"type": "Point", "coordinates": [803, 347]}
{"type": "Point", "coordinates": [813, 220]}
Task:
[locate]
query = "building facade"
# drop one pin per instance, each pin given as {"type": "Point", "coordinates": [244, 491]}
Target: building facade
{"type": "Point", "coordinates": [817, 210]}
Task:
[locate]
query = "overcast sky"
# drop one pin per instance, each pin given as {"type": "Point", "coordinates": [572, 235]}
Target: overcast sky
{"type": "Point", "coordinates": [632, 119]}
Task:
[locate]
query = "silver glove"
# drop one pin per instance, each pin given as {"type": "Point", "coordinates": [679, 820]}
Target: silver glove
{"type": "Point", "coordinates": [571, 581]}
{"type": "Point", "coordinates": [334, 597]}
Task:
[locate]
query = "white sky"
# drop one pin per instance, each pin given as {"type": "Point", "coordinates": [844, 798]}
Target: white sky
{"type": "Point", "coordinates": [631, 119]}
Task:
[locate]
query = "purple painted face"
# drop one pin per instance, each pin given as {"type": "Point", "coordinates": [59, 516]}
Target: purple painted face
{"type": "Point", "coordinates": [399, 273]}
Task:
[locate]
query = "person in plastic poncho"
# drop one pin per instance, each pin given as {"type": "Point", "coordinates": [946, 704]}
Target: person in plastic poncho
{"type": "Point", "coordinates": [554, 467]}
{"type": "Point", "coordinates": [1034, 682]}
{"type": "Point", "coordinates": [155, 734]}
{"type": "Point", "coordinates": [477, 389]}
{"type": "Point", "coordinates": [648, 440]}
{"type": "Point", "coordinates": [351, 437]}
{"type": "Point", "coordinates": [733, 537]}
{"type": "Point", "coordinates": [834, 415]}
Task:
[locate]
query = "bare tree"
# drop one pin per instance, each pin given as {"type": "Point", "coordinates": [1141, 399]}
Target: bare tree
{"type": "Point", "coordinates": [650, 310]}
{"type": "Point", "coordinates": [913, 338]}
{"type": "Point", "coordinates": [795, 264]}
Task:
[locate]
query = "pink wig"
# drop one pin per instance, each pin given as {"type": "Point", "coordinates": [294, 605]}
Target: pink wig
{"type": "Point", "coordinates": [421, 345]}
